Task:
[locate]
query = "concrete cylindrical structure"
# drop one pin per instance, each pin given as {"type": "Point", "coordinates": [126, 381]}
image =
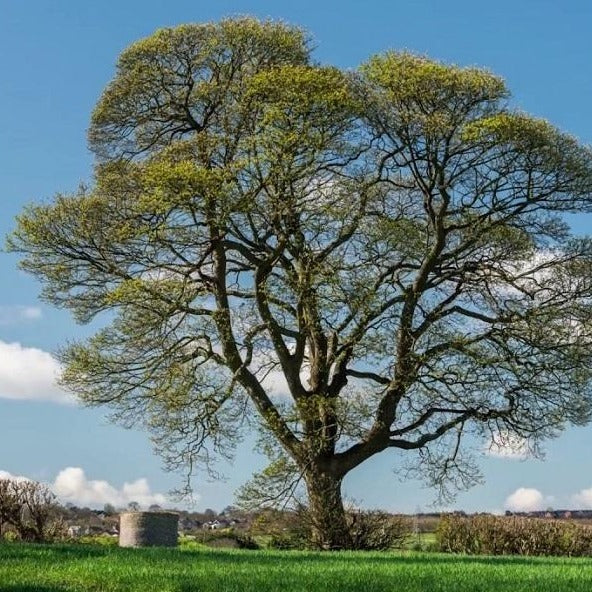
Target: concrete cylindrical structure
{"type": "Point", "coordinates": [148, 529]}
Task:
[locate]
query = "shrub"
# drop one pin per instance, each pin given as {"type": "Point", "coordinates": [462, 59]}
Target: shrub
{"type": "Point", "coordinates": [10, 536]}
{"type": "Point", "coordinates": [246, 541]}
{"type": "Point", "coordinates": [30, 510]}
{"type": "Point", "coordinates": [227, 537]}
{"type": "Point", "coordinates": [370, 531]}
{"type": "Point", "coordinates": [289, 541]}
{"type": "Point", "coordinates": [378, 531]}
{"type": "Point", "coordinates": [284, 530]}
{"type": "Point", "coordinates": [495, 535]}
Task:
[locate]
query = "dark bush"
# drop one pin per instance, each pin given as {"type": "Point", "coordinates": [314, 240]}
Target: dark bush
{"type": "Point", "coordinates": [227, 537]}
{"type": "Point", "coordinates": [378, 531]}
{"type": "Point", "coordinates": [285, 530]}
{"type": "Point", "coordinates": [246, 541]}
{"type": "Point", "coordinates": [288, 541]}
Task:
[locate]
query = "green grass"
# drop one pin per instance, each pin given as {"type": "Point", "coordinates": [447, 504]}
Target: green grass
{"type": "Point", "coordinates": [59, 568]}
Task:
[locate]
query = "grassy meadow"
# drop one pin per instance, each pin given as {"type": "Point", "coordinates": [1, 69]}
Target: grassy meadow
{"type": "Point", "coordinates": [64, 568]}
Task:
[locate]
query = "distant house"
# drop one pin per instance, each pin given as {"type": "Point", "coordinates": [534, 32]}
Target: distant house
{"type": "Point", "coordinates": [215, 525]}
{"type": "Point", "coordinates": [74, 531]}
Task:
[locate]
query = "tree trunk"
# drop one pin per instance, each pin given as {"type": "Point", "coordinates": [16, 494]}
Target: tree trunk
{"type": "Point", "coordinates": [327, 514]}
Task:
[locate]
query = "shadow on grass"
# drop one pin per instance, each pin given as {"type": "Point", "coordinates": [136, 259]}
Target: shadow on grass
{"type": "Point", "coordinates": [30, 588]}
{"type": "Point", "coordinates": [75, 552]}
{"type": "Point", "coordinates": [377, 559]}
{"type": "Point", "coordinates": [20, 551]}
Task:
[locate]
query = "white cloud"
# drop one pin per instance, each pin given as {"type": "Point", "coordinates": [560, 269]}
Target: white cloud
{"type": "Point", "coordinates": [583, 499]}
{"type": "Point", "coordinates": [275, 384]}
{"type": "Point", "coordinates": [72, 485]}
{"type": "Point", "coordinates": [10, 315]}
{"type": "Point", "coordinates": [526, 499]}
{"type": "Point", "coordinates": [506, 445]}
{"type": "Point", "coordinates": [28, 373]}
{"type": "Point", "coordinates": [267, 369]}
{"type": "Point", "coordinates": [529, 274]}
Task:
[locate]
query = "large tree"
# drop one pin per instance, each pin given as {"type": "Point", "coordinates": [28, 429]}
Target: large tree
{"type": "Point", "coordinates": [390, 243]}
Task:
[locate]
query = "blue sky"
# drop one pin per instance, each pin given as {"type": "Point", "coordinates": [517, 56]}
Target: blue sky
{"type": "Point", "coordinates": [56, 57]}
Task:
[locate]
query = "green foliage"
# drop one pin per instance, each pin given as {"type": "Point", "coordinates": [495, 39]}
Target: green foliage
{"type": "Point", "coordinates": [491, 535]}
{"type": "Point", "coordinates": [10, 536]}
{"type": "Point", "coordinates": [428, 97]}
{"type": "Point", "coordinates": [419, 79]}
{"type": "Point", "coordinates": [204, 64]}
{"type": "Point", "coordinates": [534, 142]}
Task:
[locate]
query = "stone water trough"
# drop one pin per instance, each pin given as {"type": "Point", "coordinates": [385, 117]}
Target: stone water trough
{"type": "Point", "coordinates": [148, 529]}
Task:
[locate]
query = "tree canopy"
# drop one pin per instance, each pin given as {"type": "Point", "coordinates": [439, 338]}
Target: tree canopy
{"type": "Point", "coordinates": [387, 245]}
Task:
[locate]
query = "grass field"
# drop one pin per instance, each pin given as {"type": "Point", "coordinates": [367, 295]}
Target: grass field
{"type": "Point", "coordinates": [60, 568]}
